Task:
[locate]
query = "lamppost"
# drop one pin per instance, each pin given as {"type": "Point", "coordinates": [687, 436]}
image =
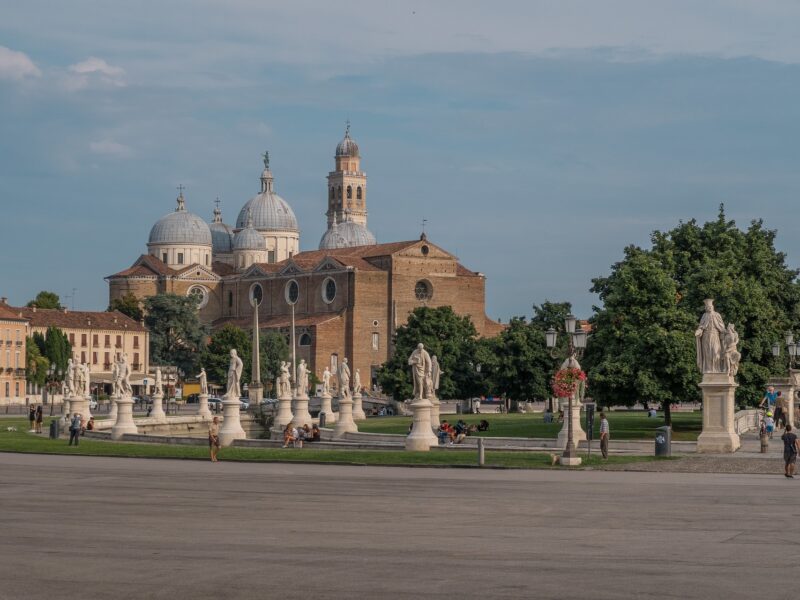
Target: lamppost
{"type": "Point", "coordinates": [292, 295]}
{"type": "Point", "coordinates": [792, 349]}
{"type": "Point", "coordinates": [54, 375]}
{"type": "Point", "coordinates": [576, 340]}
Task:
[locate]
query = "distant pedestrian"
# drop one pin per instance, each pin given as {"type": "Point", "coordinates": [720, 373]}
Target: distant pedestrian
{"type": "Point", "coordinates": [213, 438]}
{"type": "Point", "coordinates": [781, 410]}
{"type": "Point", "coordinates": [75, 429]}
{"type": "Point", "coordinates": [39, 417]}
{"type": "Point", "coordinates": [791, 446]}
{"type": "Point", "coordinates": [32, 418]}
{"type": "Point", "coordinates": [604, 434]}
{"type": "Point", "coordinates": [770, 397]}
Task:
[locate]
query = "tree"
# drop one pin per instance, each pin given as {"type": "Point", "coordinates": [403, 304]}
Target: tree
{"type": "Point", "coordinates": [177, 337]}
{"type": "Point", "coordinates": [46, 299]}
{"type": "Point", "coordinates": [273, 349]}
{"type": "Point", "coordinates": [36, 365]}
{"type": "Point", "coordinates": [643, 344]}
{"type": "Point", "coordinates": [128, 305]}
{"type": "Point", "coordinates": [523, 365]}
{"type": "Point", "coordinates": [55, 347]}
{"type": "Point", "coordinates": [452, 338]}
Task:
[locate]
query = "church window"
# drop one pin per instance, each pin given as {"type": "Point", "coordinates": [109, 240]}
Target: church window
{"type": "Point", "coordinates": [206, 259]}
{"type": "Point", "coordinates": [358, 193]}
{"type": "Point", "coordinates": [329, 290]}
{"type": "Point", "coordinates": [292, 292]}
{"type": "Point", "coordinates": [333, 193]}
{"type": "Point", "coordinates": [271, 256]}
{"type": "Point", "coordinates": [349, 192]}
{"type": "Point", "coordinates": [230, 299]}
{"type": "Point", "coordinates": [180, 258]}
{"type": "Point", "coordinates": [163, 257]}
{"type": "Point", "coordinates": [200, 294]}
{"type": "Point", "coordinates": [425, 250]}
{"type": "Point", "coordinates": [376, 339]}
{"type": "Point", "coordinates": [256, 294]}
{"type": "Point", "coordinates": [339, 192]}
{"type": "Point", "coordinates": [305, 339]}
{"type": "Point", "coordinates": [423, 290]}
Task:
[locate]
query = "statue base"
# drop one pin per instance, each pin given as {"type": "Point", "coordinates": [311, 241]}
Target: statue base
{"type": "Point", "coordinates": [112, 415]}
{"type": "Point", "coordinates": [301, 415]}
{"type": "Point", "coordinates": [718, 435]}
{"type": "Point", "coordinates": [80, 405]}
{"type": "Point", "coordinates": [578, 434]}
{"type": "Point", "coordinates": [124, 423]}
{"type": "Point", "coordinates": [573, 461]}
{"type": "Point", "coordinates": [231, 425]}
{"type": "Point", "coordinates": [202, 407]}
{"type": "Point", "coordinates": [326, 407]}
{"type": "Point", "coordinates": [345, 423]}
{"type": "Point", "coordinates": [157, 414]}
{"type": "Point", "coordinates": [435, 417]}
{"type": "Point", "coordinates": [284, 416]}
{"type": "Point", "coordinates": [255, 393]}
{"type": "Point", "coordinates": [65, 408]}
{"type": "Point", "coordinates": [358, 407]}
{"type": "Point", "coordinates": [421, 437]}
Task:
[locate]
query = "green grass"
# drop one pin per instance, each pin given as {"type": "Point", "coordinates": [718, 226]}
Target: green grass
{"type": "Point", "coordinates": [22, 441]}
{"type": "Point", "coordinates": [624, 425]}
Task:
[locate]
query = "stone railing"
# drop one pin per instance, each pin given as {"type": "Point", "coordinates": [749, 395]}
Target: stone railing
{"type": "Point", "coordinates": [745, 420]}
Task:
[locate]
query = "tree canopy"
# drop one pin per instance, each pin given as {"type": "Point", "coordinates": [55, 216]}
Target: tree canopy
{"type": "Point", "coordinates": [45, 299]}
{"type": "Point", "coordinates": [177, 337]}
{"type": "Point", "coordinates": [128, 305]}
{"type": "Point", "coordinates": [36, 365]}
{"type": "Point", "coordinates": [54, 346]}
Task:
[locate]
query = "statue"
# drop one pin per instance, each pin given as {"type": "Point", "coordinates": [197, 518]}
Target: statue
{"type": "Point", "coordinates": [115, 377]}
{"type": "Point", "coordinates": [234, 376]}
{"type": "Point", "coordinates": [79, 384]}
{"type": "Point", "coordinates": [732, 355]}
{"type": "Point", "coordinates": [326, 381]}
{"type": "Point", "coordinates": [302, 378]}
{"type": "Point", "coordinates": [420, 362]}
{"type": "Point", "coordinates": [203, 381]}
{"type": "Point", "coordinates": [436, 373]}
{"type": "Point", "coordinates": [69, 381]}
{"type": "Point", "coordinates": [344, 379]}
{"type": "Point", "coordinates": [284, 382]}
{"type": "Point", "coordinates": [356, 382]}
{"type": "Point", "coordinates": [87, 380]}
{"type": "Point", "coordinates": [708, 340]}
{"type": "Point", "coordinates": [159, 385]}
{"type": "Point", "coordinates": [125, 376]}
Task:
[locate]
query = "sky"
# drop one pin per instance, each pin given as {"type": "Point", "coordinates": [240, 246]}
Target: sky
{"type": "Point", "coordinates": [537, 139]}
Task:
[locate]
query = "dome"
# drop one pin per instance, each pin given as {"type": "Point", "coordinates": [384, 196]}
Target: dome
{"type": "Point", "coordinates": [270, 212]}
{"type": "Point", "coordinates": [180, 227]}
{"type": "Point", "coordinates": [347, 147]}
{"type": "Point", "coordinates": [346, 235]}
{"type": "Point", "coordinates": [248, 238]}
{"type": "Point", "coordinates": [221, 234]}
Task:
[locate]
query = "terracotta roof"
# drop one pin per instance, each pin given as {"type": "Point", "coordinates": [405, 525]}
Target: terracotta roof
{"type": "Point", "coordinates": [463, 271]}
{"type": "Point", "coordinates": [145, 266]}
{"type": "Point", "coordinates": [78, 319]}
{"type": "Point", "coordinates": [222, 269]}
{"type": "Point", "coordinates": [276, 321]}
{"type": "Point", "coordinates": [492, 328]}
{"type": "Point", "coordinates": [7, 313]}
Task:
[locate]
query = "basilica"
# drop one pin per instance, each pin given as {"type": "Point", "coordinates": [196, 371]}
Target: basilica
{"type": "Point", "coordinates": [346, 298]}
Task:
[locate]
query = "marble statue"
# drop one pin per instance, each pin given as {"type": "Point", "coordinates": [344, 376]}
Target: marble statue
{"type": "Point", "coordinates": [80, 376]}
{"type": "Point", "coordinates": [115, 377]}
{"type": "Point", "coordinates": [302, 377]}
{"type": "Point", "coordinates": [125, 376]}
{"type": "Point", "coordinates": [234, 376]}
{"type": "Point", "coordinates": [159, 385]}
{"type": "Point", "coordinates": [356, 382]}
{"type": "Point", "coordinates": [708, 340]}
{"type": "Point", "coordinates": [420, 362]}
{"type": "Point", "coordinates": [203, 381]}
{"type": "Point", "coordinates": [436, 373]}
{"type": "Point", "coordinates": [69, 381]}
{"type": "Point", "coordinates": [87, 380]}
{"type": "Point", "coordinates": [326, 381]}
{"type": "Point", "coordinates": [732, 355]}
{"type": "Point", "coordinates": [344, 379]}
{"type": "Point", "coordinates": [284, 382]}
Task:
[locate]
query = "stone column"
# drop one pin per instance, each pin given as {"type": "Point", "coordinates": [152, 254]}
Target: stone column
{"type": "Point", "coordinates": [157, 413]}
{"type": "Point", "coordinates": [301, 416]}
{"type": "Point", "coordinates": [345, 423]}
{"type": "Point", "coordinates": [284, 416]}
{"type": "Point", "coordinates": [202, 407]}
{"type": "Point", "coordinates": [421, 436]}
{"type": "Point", "coordinates": [124, 423]}
{"type": "Point", "coordinates": [358, 407]}
{"type": "Point", "coordinates": [718, 433]}
{"type": "Point", "coordinates": [578, 434]}
{"type": "Point", "coordinates": [80, 405]}
{"type": "Point", "coordinates": [327, 408]}
{"type": "Point", "coordinates": [231, 425]}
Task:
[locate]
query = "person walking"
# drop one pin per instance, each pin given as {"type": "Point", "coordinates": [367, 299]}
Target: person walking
{"type": "Point", "coordinates": [213, 438]}
{"type": "Point", "coordinates": [39, 417]}
{"type": "Point", "coordinates": [791, 446]}
{"type": "Point", "coordinates": [604, 433]}
{"type": "Point", "coordinates": [32, 418]}
{"type": "Point", "coordinates": [75, 429]}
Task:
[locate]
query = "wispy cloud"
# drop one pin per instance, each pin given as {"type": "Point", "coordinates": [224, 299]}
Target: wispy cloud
{"type": "Point", "coordinates": [94, 70]}
{"type": "Point", "coordinates": [16, 65]}
{"type": "Point", "coordinates": [110, 148]}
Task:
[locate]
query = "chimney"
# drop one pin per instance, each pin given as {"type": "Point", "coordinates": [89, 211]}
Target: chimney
{"type": "Point", "coordinates": [3, 300]}
{"type": "Point", "coordinates": [34, 308]}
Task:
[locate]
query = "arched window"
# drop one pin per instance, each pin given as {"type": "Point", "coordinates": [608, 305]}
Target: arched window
{"type": "Point", "coordinates": [349, 192]}
{"type": "Point", "coordinates": [339, 192]}
{"type": "Point", "coordinates": [328, 290]}
{"type": "Point", "coordinates": [333, 193]}
{"type": "Point", "coordinates": [358, 193]}
{"type": "Point", "coordinates": [423, 290]}
{"type": "Point", "coordinates": [305, 339]}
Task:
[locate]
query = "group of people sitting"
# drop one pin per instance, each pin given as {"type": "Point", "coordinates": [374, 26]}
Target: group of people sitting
{"type": "Point", "coordinates": [548, 416]}
{"type": "Point", "coordinates": [297, 435]}
{"type": "Point", "coordinates": [455, 434]}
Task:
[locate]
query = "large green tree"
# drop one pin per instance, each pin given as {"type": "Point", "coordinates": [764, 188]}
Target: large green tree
{"type": "Point", "coordinates": [55, 347]}
{"type": "Point", "coordinates": [274, 349]}
{"type": "Point", "coordinates": [36, 365]}
{"type": "Point", "coordinates": [177, 337]}
{"type": "Point", "coordinates": [452, 338]}
{"type": "Point", "coordinates": [643, 345]}
{"type": "Point", "coordinates": [45, 299]}
{"type": "Point", "coordinates": [129, 305]}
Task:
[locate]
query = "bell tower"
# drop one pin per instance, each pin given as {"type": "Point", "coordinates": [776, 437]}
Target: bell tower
{"type": "Point", "coordinates": [347, 185]}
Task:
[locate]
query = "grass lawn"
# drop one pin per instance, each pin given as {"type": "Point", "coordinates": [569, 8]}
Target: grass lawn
{"type": "Point", "coordinates": [624, 425]}
{"type": "Point", "coordinates": [22, 441]}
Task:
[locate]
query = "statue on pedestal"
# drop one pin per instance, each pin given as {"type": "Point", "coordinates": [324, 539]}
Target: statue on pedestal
{"type": "Point", "coordinates": [732, 355]}
{"type": "Point", "coordinates": [436, 373]}
{"type": "Point", "coordinates": [124, 377]}
{"type": "Point", "coordinates": [79, 375]}
{"type": "Point", "coordinates": [115, 377]}
{"type": "Point", "coordinates": [326, 381]}
{"type": "Point", "coordinates": [234, 376]}
{"type": "Point", "coordinates": [302, 378]}
{"type": "Point", "coordinates": [344, 379]}
{"type": "Point", "coordinates": [420, 362]}
{"type": "Point", "coordinates": [356, 382]}
{"type": "Point", "coordinates": [284, 381]}
{"type": "Point", "coordinates": [203, 381]}
{"type": "Point", "coordinates": [69, 380]}
{"type": "Point", "coordinates": [87, 388]}
{"type": "Point", "coordinates": [159, 385]}
{"type": "Point", "coordinates": [708, 340]}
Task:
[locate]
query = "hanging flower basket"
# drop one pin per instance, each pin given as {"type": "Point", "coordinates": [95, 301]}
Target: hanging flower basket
{"type": "Point", "coordinates": [568, 381]}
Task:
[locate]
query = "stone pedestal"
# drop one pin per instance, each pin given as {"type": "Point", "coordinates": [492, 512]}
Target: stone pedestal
{"type": "Point", "coordinates": [284, 416]}
{"type": "Point", "coordinates": [65, 408]}
{"type": "Point", "coordinates": [435, 417]}
{"type": "Point", "coordinates": [158, 408]}
{"type": "Point", "coordinates": [345, 423]}
{"type": "Point", "coordinates": [112, 414]}
{"type": "Point", "coordinates": [124, 423]}
{"type": "Point", "coordinates": [421, 436]}
{"type": "Point", "coordinates": [255, 393]}
{"type": "Point", "coordinates": [718, 434]}
{"type": "Point", "coordinates": [202, 407]}
{"type": "Point", "coordinates": [327, 408]}
{"type": "Point", "coordinates": [575, 461]}
{"type": "Point", "coordinates": [301, 416]}
{"type": "Point", "coordinates": [80, 405]}
{"type": "Point", "coordinates": [231, 425]}
{"type": "Point", "coordinates": [578, 434]}
{"type": "Point", "coordinates": [358, 407]}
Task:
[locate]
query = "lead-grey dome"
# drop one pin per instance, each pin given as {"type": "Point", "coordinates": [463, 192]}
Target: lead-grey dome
{"type": "Point", "coordinates": [348, 146]}
{"type": "Point", "coordinates": [221, 234]}
{"type": "Point", "coordinates": [346, 235]}
{"type": "Point", "coordinates": [248, 238]}
{"type": "Point", "coordinates": [180, 227]}
{"type": "Point", "coordinates": [270, 211]}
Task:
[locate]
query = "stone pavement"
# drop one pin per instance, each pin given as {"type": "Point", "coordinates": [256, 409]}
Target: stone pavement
{"type": "Point", "coordinates": [91, 527]}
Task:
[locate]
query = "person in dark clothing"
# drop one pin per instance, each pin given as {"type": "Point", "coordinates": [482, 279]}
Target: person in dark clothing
{"type": "Point", "coordinates": [32, 417]}
{"type": "Point", "coordinates": [791, 446]}
{"type": "Point", "coordinates": [39, 417]}
{"type": "Point", "coordinates": [75, 429]}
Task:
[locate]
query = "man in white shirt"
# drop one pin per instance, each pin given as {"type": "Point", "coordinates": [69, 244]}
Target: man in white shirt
{"type": "Point", "coordinates": [604, 431]}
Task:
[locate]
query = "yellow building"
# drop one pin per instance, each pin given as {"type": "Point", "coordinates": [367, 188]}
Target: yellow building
{"type": "Point", "coordinates": [14, 330]}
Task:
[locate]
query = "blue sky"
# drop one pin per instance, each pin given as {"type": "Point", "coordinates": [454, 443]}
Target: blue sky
{"type": "Point", "coordinates": [536, 138]}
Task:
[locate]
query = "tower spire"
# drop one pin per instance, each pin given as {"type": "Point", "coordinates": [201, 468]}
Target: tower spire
{"type": "Point", "coordinates": [180, 200]}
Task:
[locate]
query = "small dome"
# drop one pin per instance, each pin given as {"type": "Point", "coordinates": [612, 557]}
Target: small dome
{"type": "Point", "coordinates": [346, 235]}
{"type": "Point", "coordinates": [347, 147]}
{"type": "Point", "coordinates": [180, 227]}
{"type": "Point", "coordinates": [248, 238]}
{"type": "Point", "coordinates": [270, 212]}
{"type": "Point", "coordinates": [221, 234]}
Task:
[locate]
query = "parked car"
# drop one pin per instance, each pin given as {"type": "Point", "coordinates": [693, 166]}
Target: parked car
{"type": "Point", "coordinates": [215, 404]}
{"type": "Point", "coordinates": [244, 403]}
